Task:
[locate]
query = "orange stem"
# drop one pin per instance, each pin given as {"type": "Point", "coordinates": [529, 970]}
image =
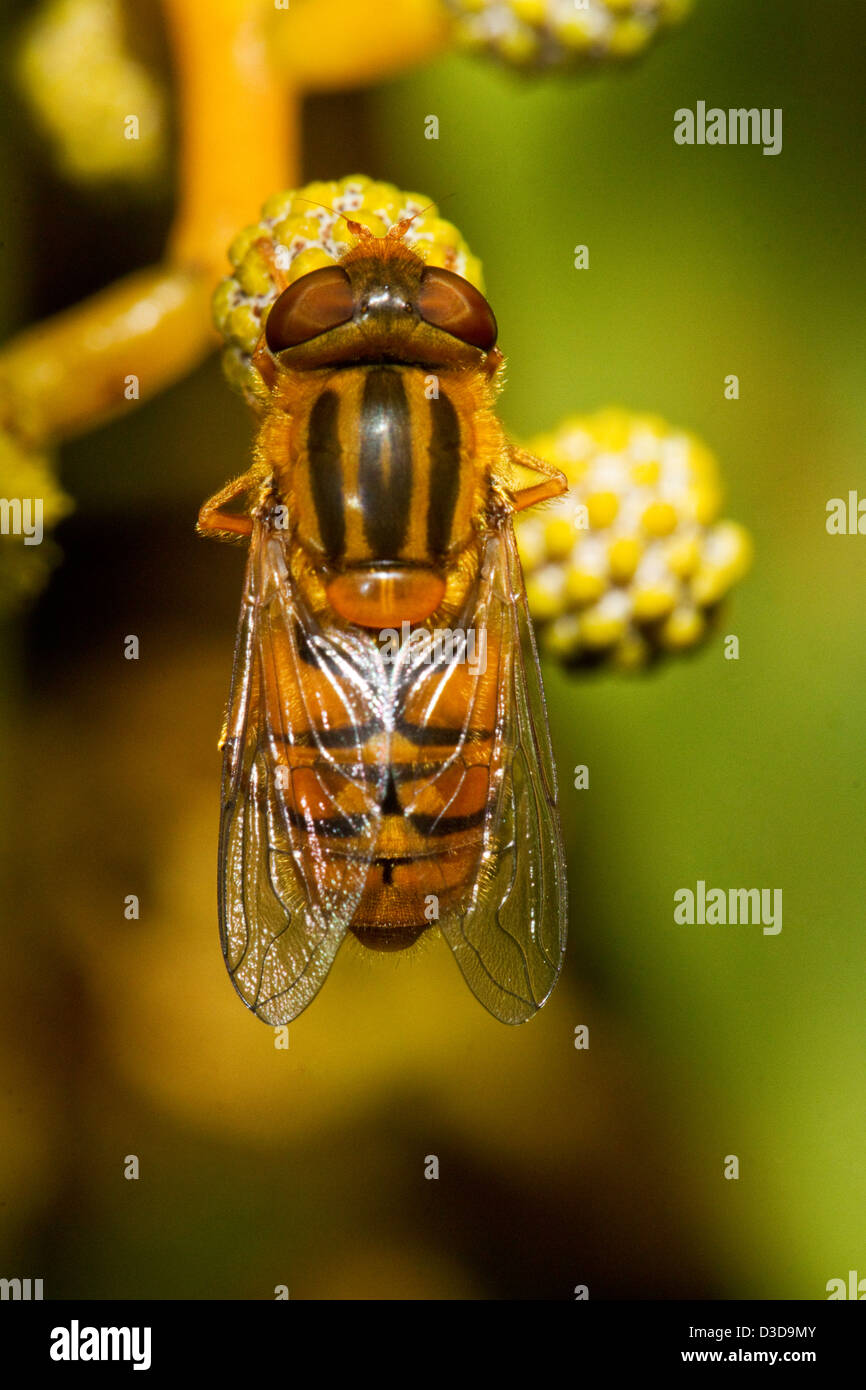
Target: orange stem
{"type": "Point", "coordinates": [60, 376]}
{"type": "Point", "coordinates": [240, 133]}
{"type": "Point", "coordinates": [239, 143]}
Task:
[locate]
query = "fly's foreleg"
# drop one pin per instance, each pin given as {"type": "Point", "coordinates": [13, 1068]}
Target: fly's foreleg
{"type": "Point", "coordinates": [216, 521]}
{"type": "Point", "coordinates": [525, 480]}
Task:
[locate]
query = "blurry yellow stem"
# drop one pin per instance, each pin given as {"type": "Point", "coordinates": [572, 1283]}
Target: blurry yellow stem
{"type": "Point", "coordinates": [325, 45]}
{"type": "Point", "coordinates": [60, 376]}
{"type": "Point", "coordinates": [239, 142]}
{"type": "Point", "coordinates": [239, 125]}
{"type": "Point", "coordinates": [241, 67]}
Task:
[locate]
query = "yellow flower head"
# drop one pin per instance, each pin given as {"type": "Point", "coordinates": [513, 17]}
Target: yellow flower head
{"type": "Point", "coordinates": [545, 34]}
{"type": "Point", "coordinates": [631, 562]}
{"type": "Point", "coordinates": [305, 229]}
{"type": "Point", "coordinates": [84, 86]}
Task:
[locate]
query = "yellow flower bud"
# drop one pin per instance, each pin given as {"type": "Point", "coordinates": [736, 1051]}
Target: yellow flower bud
{"type": "Point", "coordinates": [314, 258]}
{"type": "Point", "coordinates": [546, 34]}
{"type": "Point", "coordinates": [643, 579]}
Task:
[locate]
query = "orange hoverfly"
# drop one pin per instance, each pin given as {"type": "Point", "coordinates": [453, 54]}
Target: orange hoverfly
{"type": "Point", "coordinates": [366, 790]}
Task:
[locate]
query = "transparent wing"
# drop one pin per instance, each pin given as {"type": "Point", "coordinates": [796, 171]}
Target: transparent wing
{"type": "Point", "coordinates": [303, 780]}
{"type": "Point", "coordinates": [508, 936]}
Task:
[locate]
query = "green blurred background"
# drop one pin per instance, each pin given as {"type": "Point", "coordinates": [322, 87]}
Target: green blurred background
{"type": "Point", "coordinates": [558, 1167]}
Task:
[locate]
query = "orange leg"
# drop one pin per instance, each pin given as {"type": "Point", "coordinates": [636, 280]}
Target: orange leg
{"type": "Point", "coordinates": [525, 480]}
{"type": "Point", "coordinates": [222, 525]}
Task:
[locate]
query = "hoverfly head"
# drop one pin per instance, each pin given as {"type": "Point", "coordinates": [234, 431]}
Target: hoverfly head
{"type": "Point", "coordinates": [381, 302]}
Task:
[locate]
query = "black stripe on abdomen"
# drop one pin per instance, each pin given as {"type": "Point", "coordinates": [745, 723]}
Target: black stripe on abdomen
{"type": "Point", "coordinates": [385, 462]}
{"type": "Point", "coordinates": [425, 735]}
{"type": "Point", "coordinates": [444, 474]}
{"type": "Point", "coordinates": [434, 826]}
{"type": "Point", "coordinates": [326, 473]}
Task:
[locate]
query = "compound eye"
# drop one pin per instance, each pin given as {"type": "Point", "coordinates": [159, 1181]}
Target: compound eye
{"type": "Point", "coordinates": [449, 302]}
{"type": "Point", "coordinates": [313, 304]}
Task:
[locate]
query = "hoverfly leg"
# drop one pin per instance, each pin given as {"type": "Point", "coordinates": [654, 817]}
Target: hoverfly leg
{"type": "Point", "coordinates": [215, 521]}
{"type": "Point", "coordinates": [526, 480]}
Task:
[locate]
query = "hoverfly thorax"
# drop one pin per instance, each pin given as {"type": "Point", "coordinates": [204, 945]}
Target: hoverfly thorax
{"type": "Point", "coordinates": [387, 768]}
{"type": "Point", "coordinates": [381, 384]}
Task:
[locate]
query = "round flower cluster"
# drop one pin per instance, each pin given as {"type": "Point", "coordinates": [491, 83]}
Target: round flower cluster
{"type": "Point", "coordinates": [631, 562]}
{"type": "Point", "coordinates": [82, 82]}
{"type": "Point", "coordinates": [306, 231]}
{"type": "Point", "coordinates": [563, 33]}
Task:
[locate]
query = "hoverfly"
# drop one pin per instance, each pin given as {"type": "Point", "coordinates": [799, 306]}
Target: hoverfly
{"type": "Point", "coordinates": [365, 789]}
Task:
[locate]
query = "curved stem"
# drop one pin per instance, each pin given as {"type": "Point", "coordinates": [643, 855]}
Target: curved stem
{"type": "Point", "coordinates": [239, 142]}
{"type": "Point", "coordinates": [60, 376]}
{"type": "Point", "coordinates": [240, 137]}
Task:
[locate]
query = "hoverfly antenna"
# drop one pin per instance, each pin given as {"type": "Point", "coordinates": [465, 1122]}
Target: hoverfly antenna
{"type": "Point", "coordinates": [356, 228]}
{"type": "Point", "coordinates": [395, 232]}
{"type": "Point", "coordinates": [399, 229]}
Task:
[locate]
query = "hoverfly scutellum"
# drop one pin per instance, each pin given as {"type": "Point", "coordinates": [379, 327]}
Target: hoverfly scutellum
{"type": "Point", "coordinates": [364, 789]}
